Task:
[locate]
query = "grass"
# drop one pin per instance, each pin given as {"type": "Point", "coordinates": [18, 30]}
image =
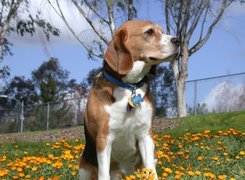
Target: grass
{"type": "Point", "coordinates": [202, 147]}
{"type": "Point", "coordinates": [212, 122]}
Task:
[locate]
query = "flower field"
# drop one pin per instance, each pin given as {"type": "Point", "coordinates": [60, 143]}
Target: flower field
{"type": "Point", "coordinates": [192, 156]}
{"type": "Point", "coordinates": [203, 147]}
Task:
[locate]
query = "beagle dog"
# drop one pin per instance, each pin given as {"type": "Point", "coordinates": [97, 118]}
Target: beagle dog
{"type": "Point", "coordinates": [120, 111]}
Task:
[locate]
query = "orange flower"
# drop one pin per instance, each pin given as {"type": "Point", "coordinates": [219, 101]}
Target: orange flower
{"type": "Point", "coordinates": [21, 175]}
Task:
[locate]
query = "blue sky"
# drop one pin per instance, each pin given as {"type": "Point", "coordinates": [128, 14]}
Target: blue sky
{"type": "Point", "coordinates": [224, 53]}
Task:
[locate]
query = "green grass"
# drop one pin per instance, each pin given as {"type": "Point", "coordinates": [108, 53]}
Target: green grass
{"type": "Point", "coordinates": [202, 147]}
{"type": "Point", "coordinates": [212, 122]}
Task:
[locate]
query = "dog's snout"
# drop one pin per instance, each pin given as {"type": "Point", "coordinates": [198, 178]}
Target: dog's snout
{"type": "Point", "coordinates": [175, 41]}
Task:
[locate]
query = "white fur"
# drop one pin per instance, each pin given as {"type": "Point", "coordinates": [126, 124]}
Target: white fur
{"type": "Point", "coordinates": [168, 48]}
{"type": "Point", "coordinates": [128, 128]}
{"type": "Point", "coordinates": [138, 72]}
{"type": "Point", "coordinates": [104, 159]}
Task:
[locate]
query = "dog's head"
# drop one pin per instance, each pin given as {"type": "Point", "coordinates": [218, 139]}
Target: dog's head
{"type": "Point", "coordinates": [140, 41]}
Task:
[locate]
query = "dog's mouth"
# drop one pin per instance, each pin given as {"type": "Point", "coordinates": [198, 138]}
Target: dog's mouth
{"type": "Point", "coordinates": [171, 57]}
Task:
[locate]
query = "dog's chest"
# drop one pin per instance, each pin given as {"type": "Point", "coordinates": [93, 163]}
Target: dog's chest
{"type": "Point", "coordinates": [125, 128]}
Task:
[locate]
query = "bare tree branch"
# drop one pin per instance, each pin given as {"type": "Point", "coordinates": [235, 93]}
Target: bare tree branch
{"type": "Point", "coordinates": [167, 17]}
{"type": "Point", "coordinates": [61, 15]}
{"type": "Point", "coordinates": [95, 12]}
{"type": "Point", "coordinates": [204, 19]}
{"type": "Point", "coordinates": [111, 16]}
{"type": "Point", "coordinates": [184, 26]}
{"type": "Point", "coordinates": [4, 26]}
{"type": "Point", "coordinates": [201, 42]}
{"type": "Point", "coordinates": [103, 38]}
{"type": "Point", "coordinates": [197, 15]}
{"type": "Point", "coordinates": [179, 20]}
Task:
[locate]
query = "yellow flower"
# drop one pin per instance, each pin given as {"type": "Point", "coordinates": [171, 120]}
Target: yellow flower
{"type": "Point", "coordinates": [198, 173]}
{"type": "Point", "coordinates": [219, 142]}
{"type": "Point", "coordinates": [177, 177]}
{"type": "Point", "coordinates": [73, 173]}
{"type": "Point", "coordinates": [19, 169]}
{"type": "Point", "coordinates": [4, 172]}
{"type": "Point", "coordinates": [28, 176]}
{"type": "Point", "coordinates": [191, 173]}
{"type": "Point", "coordinates": [21, 175]}
{"type": "Point", "coordinates": [242, 153]}
{"type": "Point", "coordinates": [34, 169]}
{"type": "Point", "coordinates": [132, 177]}
{"type": "Point", "coordinates": [222, 177]}
{"type": "Point", "coordinates": [168, 170]}
{"type": "Point", "coordinates": [25, 152]}
{"type": "Point", "coordinates": [215, 158]}
{"type": "Point", "coordinates": [200, 158]}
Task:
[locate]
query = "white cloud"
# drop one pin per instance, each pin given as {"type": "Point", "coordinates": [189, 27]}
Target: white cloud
{"type": "Point", "coordinates": [73, 17]}
{"type": "Point", "coordinates": [226, 97]}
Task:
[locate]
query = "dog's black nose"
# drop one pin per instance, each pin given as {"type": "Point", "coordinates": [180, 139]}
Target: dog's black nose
{"type": "Point", "coordinates": [175, 41]}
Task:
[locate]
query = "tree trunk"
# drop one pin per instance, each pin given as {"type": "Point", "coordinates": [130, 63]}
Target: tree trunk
{"type": "Point", "coordinates": [181, 102]}
{"type": "Point", "coordinates": [180, 73]}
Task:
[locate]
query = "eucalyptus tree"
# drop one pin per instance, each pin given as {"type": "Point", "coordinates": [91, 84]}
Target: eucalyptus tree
{"type": "Point", "coordinates": [184, 18]}
{"type": "Point", "coordinates": [102, 18]}
{"type": "Point", "coordinates": [15, 17]}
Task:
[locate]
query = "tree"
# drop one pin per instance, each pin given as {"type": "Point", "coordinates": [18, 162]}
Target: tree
{"type": "Point", "coordinates": [12, 22]}
{"type": "Point", "coordinates": [200, 109]}
{"type": "Point", "coordinates": [21, 89]}
{"type": "Point", "coordinates": [51, 80]}
{"type": "Point", "coordinates": [102, 17]}
{"type": "Point", "coordinates": [182, 19]}
{"type": "Point", "coordinates": [163, 91]}
{"type": "Point", "coordinates": [4, 74]}
{"type": "Point", "coordinates": [48, 90]}
{"type": "Point", "coordinates": [87, 82]}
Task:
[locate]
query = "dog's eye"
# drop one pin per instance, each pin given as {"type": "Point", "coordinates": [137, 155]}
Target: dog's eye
{"type": "Point", "coordinates": [150, 31]}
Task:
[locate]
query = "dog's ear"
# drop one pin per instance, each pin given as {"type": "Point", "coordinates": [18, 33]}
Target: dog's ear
{"type": "Point", "coordinates": [117, 55]}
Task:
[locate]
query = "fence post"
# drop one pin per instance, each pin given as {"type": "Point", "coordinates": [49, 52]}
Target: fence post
{"type": "Point", "coordinates": [47, 116]}
{"type": "Point", "coordinates": [195, 98]}
{"type": "Point", "coordinates": [22, 117]}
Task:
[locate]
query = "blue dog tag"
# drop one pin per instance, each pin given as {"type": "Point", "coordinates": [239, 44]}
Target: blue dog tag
{"type": "Point", "coordinates": [134, 100]}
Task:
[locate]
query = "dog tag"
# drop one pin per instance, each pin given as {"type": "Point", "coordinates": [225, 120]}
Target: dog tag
{"type": "Point", "coordinates": [133, 101]}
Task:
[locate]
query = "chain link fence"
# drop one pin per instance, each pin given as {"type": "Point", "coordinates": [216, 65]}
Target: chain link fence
{"type": "Point", "coordinates": [208, 95]}
{"type": "Point", "coordinates": [216, 94]}
{"type": "Point", "coordinates": [53, 115]}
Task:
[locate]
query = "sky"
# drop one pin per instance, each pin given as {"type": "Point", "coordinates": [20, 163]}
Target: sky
{"type": "Point", "coordinates": [224, 53]}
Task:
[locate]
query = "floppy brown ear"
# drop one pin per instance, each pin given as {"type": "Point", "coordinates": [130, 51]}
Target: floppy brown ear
{"type": "Point", "coordinates": [117, 55]}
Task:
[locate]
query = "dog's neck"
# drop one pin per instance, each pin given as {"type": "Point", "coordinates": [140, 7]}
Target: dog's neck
{"type": "Point", "coordinates": [137, 73]}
